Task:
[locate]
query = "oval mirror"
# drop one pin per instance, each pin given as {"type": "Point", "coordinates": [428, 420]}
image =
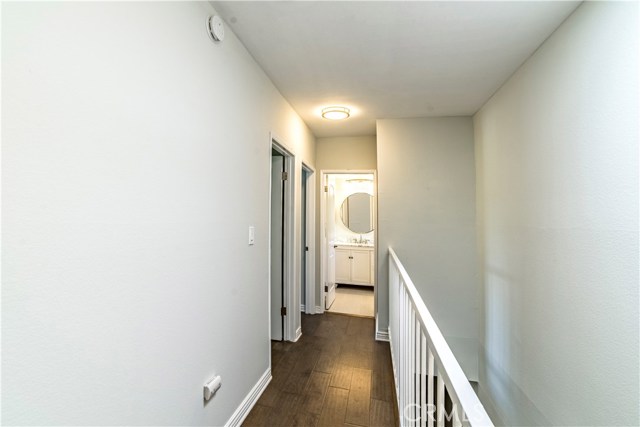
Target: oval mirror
{"type": "Point", "coordinates": [356, 212]}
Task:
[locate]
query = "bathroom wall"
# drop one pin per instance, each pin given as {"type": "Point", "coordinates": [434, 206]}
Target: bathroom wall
{"type": "Point", "coordinates": [557, 175]}
{"type": "Point", "coordinates": [135, 155]}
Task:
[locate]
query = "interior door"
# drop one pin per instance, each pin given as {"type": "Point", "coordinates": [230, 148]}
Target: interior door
{"type": "Point", "coordinates": [277, 248]}
{"type": "Point", "coordinates": [330, 228]}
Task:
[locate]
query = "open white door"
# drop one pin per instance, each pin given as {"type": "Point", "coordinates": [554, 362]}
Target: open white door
{"type": "Point", "coordinates": [330, 284]}
{"type": "Point", "coordinates": [277, 253]}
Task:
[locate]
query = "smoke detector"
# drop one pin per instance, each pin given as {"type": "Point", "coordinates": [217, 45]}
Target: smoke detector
{"type": "Point", "coordinates": [215, 28]}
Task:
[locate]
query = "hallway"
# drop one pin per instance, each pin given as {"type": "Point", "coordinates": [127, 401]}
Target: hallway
{"type": "Point", "coordinates": [335, 375]}
{"type": "Point", "coordinates": [488, 156]}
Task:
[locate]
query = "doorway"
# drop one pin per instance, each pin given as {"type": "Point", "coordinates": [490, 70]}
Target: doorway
{"type": "Point", "coordinates": [292, 242]}
{"type": "Point", "coordinates": [281, 243]}
{"type": "Point", "coordinates": [278, 176]}
{"type": "Point", "coordinates": [348, 246]}
{"type": "Point", "coordinates": [304, 247]}
{"type": "Point", "coordinates": [307, 243]}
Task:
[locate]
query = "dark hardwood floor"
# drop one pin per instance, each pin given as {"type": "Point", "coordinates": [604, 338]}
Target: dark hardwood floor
{"type": "Point", "coordinates": [335, 375]}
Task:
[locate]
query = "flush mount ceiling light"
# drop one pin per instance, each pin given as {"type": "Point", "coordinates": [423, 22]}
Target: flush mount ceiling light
{"type": "Point", "coordinates": [336, 113]}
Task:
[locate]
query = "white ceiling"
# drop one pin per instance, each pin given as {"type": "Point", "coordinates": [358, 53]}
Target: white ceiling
{"type": "Point", "coordinates": [389, 59]}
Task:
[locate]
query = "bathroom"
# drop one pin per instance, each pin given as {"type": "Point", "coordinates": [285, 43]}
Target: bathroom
{"type": "Point", "coordinates": [350, 236]}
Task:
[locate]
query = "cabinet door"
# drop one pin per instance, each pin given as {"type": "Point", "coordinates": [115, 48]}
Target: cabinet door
{"type": "Point", "coordinates": [343, 265]}
{"type": "Point", "coordinates": [360, 266]}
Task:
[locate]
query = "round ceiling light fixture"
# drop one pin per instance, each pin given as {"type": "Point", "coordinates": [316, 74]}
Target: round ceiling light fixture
{"type": "Point", "coordinates": [336, 113]}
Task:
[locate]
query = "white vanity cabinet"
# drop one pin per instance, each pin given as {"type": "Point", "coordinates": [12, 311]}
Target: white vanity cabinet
{"type": "Point", "coordinates": [354, 265]}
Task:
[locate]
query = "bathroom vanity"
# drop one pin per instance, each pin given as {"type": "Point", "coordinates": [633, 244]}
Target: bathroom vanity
{"type": "Point", "coordinates": [354, 264]}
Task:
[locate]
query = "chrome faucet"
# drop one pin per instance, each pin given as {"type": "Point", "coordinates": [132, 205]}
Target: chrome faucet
{"type": "Point", "coordinates": [360, 241]}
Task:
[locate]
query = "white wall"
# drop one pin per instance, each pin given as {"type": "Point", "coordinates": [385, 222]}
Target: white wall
{"type": "Point", "coordinates": [350, 152]}
{"type": "Point", "coordinates": [557, 162]}
{"type": "Point", "coordinates": [135, 156]}
{"type": "Point", "coordinates": [426, 212]}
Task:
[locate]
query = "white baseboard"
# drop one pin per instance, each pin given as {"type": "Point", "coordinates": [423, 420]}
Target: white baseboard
{"type": "Point", "coordinates": [298, 334]}
{"type": "Point", "coordinates": [302, 308]}
{"type": "Point", "coordinates": [319, 309]}
{"type": "Point", "coordinates": [250, 400]}
{"type": "Point", "coordinates": [382, 335]}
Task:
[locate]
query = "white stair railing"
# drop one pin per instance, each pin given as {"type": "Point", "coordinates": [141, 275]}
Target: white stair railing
{"type": "Point", "coordinates": [431, 388]}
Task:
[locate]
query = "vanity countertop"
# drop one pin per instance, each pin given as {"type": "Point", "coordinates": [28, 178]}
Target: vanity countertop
{"type": "Point", "coordinates": [355, 245]}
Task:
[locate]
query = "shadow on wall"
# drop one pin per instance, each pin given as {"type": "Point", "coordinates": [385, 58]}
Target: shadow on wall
{"type": "Point", "coordinates": [496, 388]}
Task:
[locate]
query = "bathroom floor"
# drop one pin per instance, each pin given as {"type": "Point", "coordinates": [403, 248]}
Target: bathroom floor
{"type": "Point", "coordinates": [354, 300]}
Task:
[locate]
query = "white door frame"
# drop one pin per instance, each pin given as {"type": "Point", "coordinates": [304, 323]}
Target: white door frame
{"type": "Point", "coordinates": [323, 239]}
{"type": "Point", "coordinates": [310, 276]}
{"type": "Point", "coordinates": [289, 291]}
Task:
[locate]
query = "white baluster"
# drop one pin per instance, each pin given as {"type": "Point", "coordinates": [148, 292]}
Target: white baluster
{"type": "Point", "coordinates": [431, 402]}
{"type": "Point", "coordinates": [440, 404]}
{"type": "Point", "coordinates": [423, 380]}
{"type": "Point", "coordinates": [417, 377]}
{"type": "Point", "coordinates": [402, 353]}
{"type": "Point", "coordinates": [422, 359]}
{"type": "Point", "coordinates": [412, 375]}
{"type": "Point", "coordinates": [407, 358]}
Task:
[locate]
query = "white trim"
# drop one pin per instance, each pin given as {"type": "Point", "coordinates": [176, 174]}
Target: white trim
{"type": "Point", "coordinates": [290, 293]}
{"type": "Point", "coordinates": [310, 280]}
{"type": "Point", "coordinates": [382, 336]}
{"type": "Point", "coordinates": [250, 400]}
{"type": "Point", "coordinates": [291, 297]}
{"type": "Point", "coordinates": [323, 243]}
{"type": "Point", "coordinates": [302, 307]}
{"type": "Point", "coordinates": [298, 334]}
{"type": "Point", "coordinates": [269, 244]}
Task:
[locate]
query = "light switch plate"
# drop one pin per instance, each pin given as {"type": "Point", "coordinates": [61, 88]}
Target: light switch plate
{"type": "Point", "coordinates": [252, 235]}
